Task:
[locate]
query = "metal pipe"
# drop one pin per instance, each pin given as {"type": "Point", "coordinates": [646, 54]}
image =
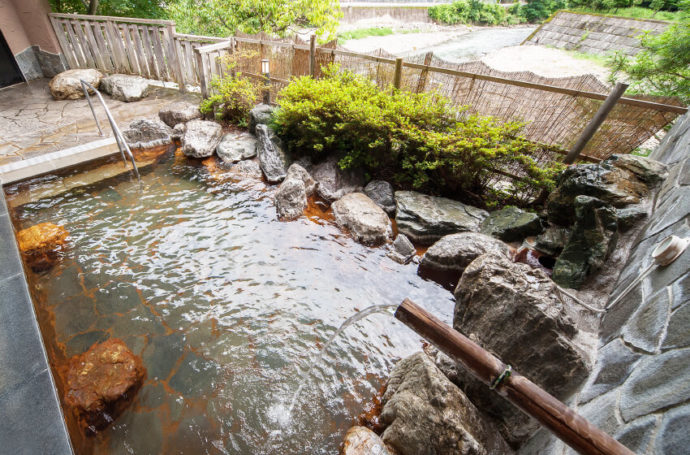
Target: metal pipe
{"type": "Point", "coordinates": [565, 423]}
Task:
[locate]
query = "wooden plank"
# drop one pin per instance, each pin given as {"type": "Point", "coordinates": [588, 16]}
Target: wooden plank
{"type": "Point", "coordinates": [173, 57]}
{"type": "Point", "coordinates": [81, 60]}
{"type": "Point", "coordinates": [312, 55]}
{"type": "Point", "coordinates": [148, 51]}
{"type": "Point", "coordinates": [199, 38]}
{"type": "Point", "coordinates": [113, 41]}
{"type": "Point", "coordinates": [106, 51]}
{"type": "Point", "coordinates": [189, 62]}
{"type": "Point", "coordinates": [130, 50]}
{"type": "Point", "coordinates": [158, 51]}
{"type": "Point", "coordinates": [217, 46]}
{"type": "Point", "coordinates": [201, 72]}
{"type": "Point", "coordinates": [85, 44]}
{"type": "Point", "coordinates": [141, 55]}
{"type": "Point", "coordinates": [120, 46]}
{"type": "Point", "coordinates": [421, 84]}
{"type": "Point", "coordinates": [127, 20]}
{"type": "Point", "coordinates": [397, 76]}
{"type": "Point", "coordinates": [93, 44]}
{"type": "Point", "coordinates": [62, 38]}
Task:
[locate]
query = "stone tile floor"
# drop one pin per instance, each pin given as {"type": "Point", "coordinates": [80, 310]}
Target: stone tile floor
{"type": "Point", "coordinates": [33, 123]}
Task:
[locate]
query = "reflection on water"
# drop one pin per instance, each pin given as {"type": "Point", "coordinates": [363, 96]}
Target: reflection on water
{"type": "Point", "coordinates": [228, 308]}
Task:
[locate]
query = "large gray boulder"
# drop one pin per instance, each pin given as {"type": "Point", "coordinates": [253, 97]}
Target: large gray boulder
{"type": "Point", "coordinates": [454, 252]}
{"type": "Point", "coordinates": [426, 414]}
{"type": "Point", "coordinates": [145, 133]}
{"type": "Point", "coordinates": [292, 194]}
{"type": "Point", "coordinates": [179, 112]}
{"type": "Point", "coordinates": [511, 224]}
{"type": "Point", "coordinates": [124, 87]}
{"type": "Point", "coordinates": [366, 221]}
{"type": "Point", "coordinates": [593, 238]}
{"type": "Point", "coordinates": [201, 138]}
{"type": "Point", "coordinates": [333, 182]}
{"type": "Point", "coordinates": [512, 310]}
{"type": "Point", "coordinates": [236, 146]}
{"type": "Point", "coordinates": [273, 158]}
{"type": "Point", "coordinates": [259, 115]}
{"type": "Point", "coordinates": [362, 441]}
{"type": "Point", "coordinates": [67, 85]}
{"type": "Point", "coordinates": [425, 219]}
{"type": "Point", "coordinates": [383, 195]}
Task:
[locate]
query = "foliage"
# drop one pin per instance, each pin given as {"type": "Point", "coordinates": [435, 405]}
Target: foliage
{"type": "Point", "coordinates": [469, 12]}
{"type": "Point", "coordinates": [419, 137]}
{"type": "Point", "coordinates": [663, 66]}
{"type": "Point", "coordinates": [125, 8]}
{"type": "Point", "coordinates": [537, 10]}
{"type": "Point", "coordinates": [635, 12]}
{"type": "Point", "coordinates": [276, 17]}
{"type": "Point", "coordinates": [233, 95]}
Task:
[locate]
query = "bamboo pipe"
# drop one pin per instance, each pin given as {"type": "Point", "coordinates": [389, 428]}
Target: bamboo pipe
{"type": "Point", "coordinates": [565, 423]}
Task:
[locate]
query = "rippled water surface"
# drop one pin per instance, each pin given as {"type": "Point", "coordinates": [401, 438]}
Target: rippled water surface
{"type": "Point", "coordinates": [228, 308]}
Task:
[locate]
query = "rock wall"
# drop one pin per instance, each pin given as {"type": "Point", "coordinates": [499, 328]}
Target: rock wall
{"type": "Point", "coordinates": [593, 34]}
{"type": "Point", "coordinates": [640, 387]}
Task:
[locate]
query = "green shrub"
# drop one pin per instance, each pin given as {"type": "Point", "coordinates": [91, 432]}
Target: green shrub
{"type": "Point", "coordinates": [538, 10]}
{"type": "Point", "coordinates": [469, 12]}
{"type": "Point", "coordinates": [419, 139]}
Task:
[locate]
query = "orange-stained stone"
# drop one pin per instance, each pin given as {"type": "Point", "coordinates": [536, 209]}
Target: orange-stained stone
{"type": "Point", "coordinates": [40, 244]}
{"type": "Point", "coordinates": [101, 383]}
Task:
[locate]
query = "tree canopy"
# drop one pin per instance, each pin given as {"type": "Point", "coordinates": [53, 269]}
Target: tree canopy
{"type": "Point", "coordinates": [127, 8]}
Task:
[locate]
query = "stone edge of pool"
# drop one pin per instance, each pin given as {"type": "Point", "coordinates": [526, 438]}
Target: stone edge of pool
{"type": "Point", "coordinates": [31, 419]}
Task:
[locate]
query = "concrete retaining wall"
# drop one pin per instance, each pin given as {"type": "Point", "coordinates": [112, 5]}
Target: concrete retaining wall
{"type": "Point", "coordinates": [594, 34]}
{"type": "Point", "coordinates": [639, 390]}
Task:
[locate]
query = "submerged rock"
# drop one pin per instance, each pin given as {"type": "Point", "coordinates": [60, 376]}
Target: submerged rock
{"type": "Point", "coordinates": [511, 224]}
{"type": "Point", "coordinates": [101, 383]}
{"type": "Point", "coordinates": [124, 87]}
{"type": "Point", "coordinates": [456, 251]}
{"type": "Point", "coordinates": [179, 112]}
{"type": "Point", "coordinates": [236, 147]}
{"type": "Point", "coordinates": [248, 168]}
{"type": "Point", "coordinates": [402, 250]}
{"type": "Point", "coordinates": [425, 219]}
{"type": "Point", "coordinates": [292, 194]}
{"type": "Point", "coordinates": [362, 441]}
{"type": "Point", "coordinates": [591, 241]}
{"type": "Point", "coordinates": [381, 192]}
{"type": "Point", "coordinates": [201, 138]}
{"type": "Point", "coordinates": [145, 133]}
{"type": "Point", "coordinates": [67, 85]}
{"type": "Point", "coordinates": [366, 221]}
{"type": "Point", "coordinates": [40, 244]}
{"type": "Point", "coordinates": [426, 414]}
{"type": "Point", "coordinates": [273, 158]}
{"type": "Point", "coordinates": [333, 182]}
{"type": "Point", "coordinates": [260, 115]}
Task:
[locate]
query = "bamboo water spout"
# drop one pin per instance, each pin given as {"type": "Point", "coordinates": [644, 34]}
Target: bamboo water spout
{"type": "Point", "coordinates": [565, 423]}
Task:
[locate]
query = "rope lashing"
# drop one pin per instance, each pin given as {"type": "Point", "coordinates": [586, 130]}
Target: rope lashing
{"type": "Point", "coordinates": [501, 377]}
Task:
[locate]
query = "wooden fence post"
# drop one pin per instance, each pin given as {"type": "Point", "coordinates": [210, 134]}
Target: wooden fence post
{"type": "Point", "coordinates": [174, 58]}
{"type": "Point", "coordinates": [312, 55]}
{"type": "Point", "coordinates": [202, 72]}
{"type": "Point", "coordinates": [397, 77]}
{"type": "Point", "coordinates": [596, 122]}
{"type": "Point", "coordinates": [421, 85]}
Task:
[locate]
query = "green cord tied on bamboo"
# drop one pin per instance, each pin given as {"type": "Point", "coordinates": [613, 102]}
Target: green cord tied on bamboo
{"type": "Point", "coordinates": [501, 377]}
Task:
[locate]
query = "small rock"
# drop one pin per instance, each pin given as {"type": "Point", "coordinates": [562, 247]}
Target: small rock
{"type": "Point", "coordinates": [593, 238]}
{"type": "Point", "coordinates": [381, 192]}
{"type": "Point", "coordinates": [201, 138]}
{"type": "Point", "coordinates": [333, 182]}
{"type": "Point", "coordinates": [552, 241]}
{"type": "Point", "coordinates": [630, 216]}
{"type": "Point", "coordinates": [273, 158]}
{"type": "Point", "coordinates": [511, 224]}
{"type": "Point", "coordinates": [649, 171]}
{"type": "Point", "coordinates": [260, 115]}
{"type": "Point", "coordinates": [365, 220]}
{"type": "Point", "coordinates": [179, 112]}
{"type": "Point", "coordinates": [425, 219]}
{"type": "Point", "coordinates": [178, 132]}
{"type": "Point", "coordinates": [125, 88]}
{"type": "Point", "coordinates": [402, 250]}
{"type": "Point", "coordinates": [144, 133]}
{"type": "Point", "coordinates": [236, 147]}
{"type": "Point", "coordinates": [291, 197]}
{"type": "Point", "coordinates": [40, 245]}
{"type": "Point", "coordinates": [424, 413]}
{"type": "Point", "coordinates": [67, 85]}
{"type": "Point", "coordinates": [102, 382]}
{"type": "Point", "coordinates": [456, 251]}
{"type": "Point", "coordinates": [248, 168]}
{"type": "Point", "coordinates": [363, 441]}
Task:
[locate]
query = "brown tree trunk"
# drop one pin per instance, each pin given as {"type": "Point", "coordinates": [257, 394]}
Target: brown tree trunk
{"type": "Point", "coordinates": [93, 7]}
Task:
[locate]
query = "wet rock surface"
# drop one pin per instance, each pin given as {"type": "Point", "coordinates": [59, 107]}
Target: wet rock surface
{"type": "Point", "coordinates": [102, 382]}
{"type": "Point", "coordinates": [67, 85]}
{"type": "Point", "coordinates": [424, 413]}
{"type": "Point", "coordinates": [236, 146]}
{"type": "Point", "coordinates": [333, 182]}
{"type": "Point", "coordinates": [425, 219]}
{"type": "Point", "coordinates": [145, 133]}
{"type": "Point", "coordinates": [292, 194]}
{"type": "Point", "coordinates": [201, 138]}
{"type": "Point", "coordinates": [179, 112]}
{"type": "Point", "coordinates": [383, 195]}
{"type": "Point", "coordinates": [362, 441]}
{"type": "Point", "coordinates": [273, 157]}
{"type": "Point", "coordinates": [40, 244]}
{"type": "Point", "coordinates": [552, 240]}
{"type": "Point", "coordinates": [366, 221]}
{"type": "Point", "coordinates": [124, 87]}
{"type": "Point", "coordinates": [456, 251]}
{"type": "Point", "coordinates": [402, 250]}
{"type": "Point", "coordinates": [511, 224]}
{"type": "Point", "coordinates": [248, 168]}
{"type": "Point", "coordinates": [260, 115]}
{"type": "Point", "coordinates": [590, 243]}
{"type": "Point", "coordinates": [178, 131]}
